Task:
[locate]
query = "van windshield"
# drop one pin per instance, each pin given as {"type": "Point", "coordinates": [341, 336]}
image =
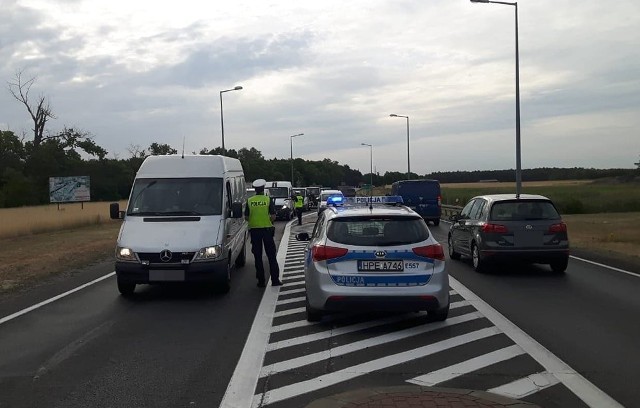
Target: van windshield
{"type": "Point", "coordinates": [278, 192]}
{"type": "Point", "coordinates": [176, 196]}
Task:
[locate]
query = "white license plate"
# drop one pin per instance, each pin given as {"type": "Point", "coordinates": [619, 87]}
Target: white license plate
{"type": "Point", "coordinates": [528, 238]}
{"type": "Point", "coordinates": [166, 275]}
{"type": "Point", "coordinates": [380, 266]}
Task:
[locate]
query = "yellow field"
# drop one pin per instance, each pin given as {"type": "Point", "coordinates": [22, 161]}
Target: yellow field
{"type": "Point", "coordinates": [20, 221]}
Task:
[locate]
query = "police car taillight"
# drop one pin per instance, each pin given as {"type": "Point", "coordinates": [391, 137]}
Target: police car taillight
{"type": "Point", "coordinates": [324, 252]}
{"type": "Point", "coordinates": [430, 251]}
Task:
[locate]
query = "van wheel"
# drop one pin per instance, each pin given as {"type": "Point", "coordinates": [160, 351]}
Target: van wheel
{"type": "Point", "coordinates": [436, 222]}
{"type": "Point", "coordinates": [224, 285]}
{"type": "Point", "coordinates": [242, 256]}
{"type": "Point", "coordinates": [126, 289]}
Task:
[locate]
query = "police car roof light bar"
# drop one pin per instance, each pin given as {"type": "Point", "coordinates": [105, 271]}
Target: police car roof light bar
{"type": "Point", "coordinates": [374, 200]}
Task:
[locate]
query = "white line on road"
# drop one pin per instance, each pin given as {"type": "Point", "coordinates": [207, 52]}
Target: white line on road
{"type": "Point", "coordinates": [53, 299]}
{"type": "Point", "coordinates": [605, 266]}
{"type": "Point", "coordinates": [289, 312]}
{"type": "Point", "coordinates": [583, 388]}
{"type": "Point", "coordinates": [466, 367]}
{"type": "Point", "coordinates": [526, 386]}
{"type": "Point", "coordinates": [245, 376]}
{"type": "Point", "coordinates": [292, 300]}
{"type": "Point", "coordinates": [327, 380]}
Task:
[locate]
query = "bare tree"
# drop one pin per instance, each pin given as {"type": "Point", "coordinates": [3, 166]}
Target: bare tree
{"type": "Point", "coordinates": [40, 111]}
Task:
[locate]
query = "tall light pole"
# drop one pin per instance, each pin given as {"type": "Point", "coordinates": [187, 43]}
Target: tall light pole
{"type": "Point", "coordinates": [237, 88]}
{"type": "Point", "coordinates": [518, 157]}
{"type": "Point", "coordinates": [371, 166]}
{"type": "Point", "coordinates": [393, 115]}
{"type": "Point", "coordinates": [291, 139]}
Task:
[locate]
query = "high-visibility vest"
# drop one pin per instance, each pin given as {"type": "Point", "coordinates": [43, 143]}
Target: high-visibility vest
{"type": "Point", "coordinates": [259, 211]}
{"type": "Point", "coordinates": [299, 201]}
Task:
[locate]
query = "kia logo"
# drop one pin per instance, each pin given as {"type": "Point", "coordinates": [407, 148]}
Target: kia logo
{"type": "Point", "coordinates": [380, 254]}
{"type": "Point", "coordinates": [165, 256]}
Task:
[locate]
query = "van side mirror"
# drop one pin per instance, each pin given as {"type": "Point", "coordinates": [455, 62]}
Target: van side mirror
{"type": "Point", "coordinates": [303, 236]}
{"type": "Point", "coordinates": [236, 210]}
{"type": "Point", "coordinates": [114, 211]}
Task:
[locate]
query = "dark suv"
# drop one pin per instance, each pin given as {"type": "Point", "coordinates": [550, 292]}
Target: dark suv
{"type": "Point", "coordinates": [504, 227]}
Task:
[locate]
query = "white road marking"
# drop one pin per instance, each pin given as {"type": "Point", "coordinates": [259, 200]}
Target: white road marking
{"type": "Point", "coordinates": [292, 325]}
{"type": "Point", "coordinates": [605, 266]}
{"type": "Point", "coordinates": [292, 291]}
{"type": "Point", "coordinates": [452, 292]}
{"type": "Point", "coordinates": [360, 345]}
{"type": "Point", "coordinates": [468, 366]}
{"type": "Point", "coordinates": [583, 388]}
{"type": "Point", "coordinates": [292, 300]}
{"type": "Point", "coordinates": [327, 380]}
{"type": "Point", "coordinates": [526, 386]}
{"type": "Point", "coordinates": [245, 376]}
{"type": "Point", "coordinates": [456, 305]}
{"type": "Point", "coordinates": [289, 312]}
{"type": "Point", "coordinates": [53, 299]}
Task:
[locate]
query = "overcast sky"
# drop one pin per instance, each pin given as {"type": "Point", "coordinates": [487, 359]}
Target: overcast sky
{"type": "Point", "coordinates": [135, 72]}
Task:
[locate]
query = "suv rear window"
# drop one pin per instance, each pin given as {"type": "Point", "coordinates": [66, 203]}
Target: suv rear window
{"type": "Point", "coordinates": [523, 210]}
{"type": "Point", "coordinates": [377, 231]}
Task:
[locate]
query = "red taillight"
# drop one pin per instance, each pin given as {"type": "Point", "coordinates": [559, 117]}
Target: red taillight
{"type": "Point", "coordinates": [439, 201]}
{"type": "Point", "coordinates": [494, 228]}
{"type": "Point", "coordinates": [430, 251]}
{"type": "Point", "coordinates": [323, 252]}
{"type": "Point", "coordinates": [555, 228]}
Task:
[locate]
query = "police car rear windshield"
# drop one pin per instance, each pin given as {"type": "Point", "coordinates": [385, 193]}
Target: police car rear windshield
{"type": "Point", "coordinates": [377, 231]}
{"type": "Point", "coordinates": [523, 210]}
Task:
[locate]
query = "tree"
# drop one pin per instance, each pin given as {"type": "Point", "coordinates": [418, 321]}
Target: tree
{"type": "Point", "coordinates": [40, 111]}
{"type": "Point", "coordinates": [159, 149]}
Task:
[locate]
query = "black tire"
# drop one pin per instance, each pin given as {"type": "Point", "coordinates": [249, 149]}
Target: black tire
{"type": "Point", "coordinates": [224, 283]}
{"type": "Point", "coordinates": [478, 264]}
{"type": "Point", "coordinates": [559, 267]}
{"type": "Point", "coordinates": [241, 260]}
{"type": "Point", "coordinates": [452, 253]}
{"type": "Point", "coordinates": [313, 315]}
{"type": "Point", "coordinates": [439, 315]}
{"type": "Point", "coordinates": [126, 289]}
{"type": "Point", "coordinates": [436, 222]}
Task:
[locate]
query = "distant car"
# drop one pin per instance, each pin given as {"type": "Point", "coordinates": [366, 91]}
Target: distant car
{"type": "Point", "coordinates": [382, 258]}
{"type": "Point", "coordinates": [322, 201]}
{"type": "Point", "coordinates": [504, 227]}
{"type": "Point", "coordinates": [422, 196]}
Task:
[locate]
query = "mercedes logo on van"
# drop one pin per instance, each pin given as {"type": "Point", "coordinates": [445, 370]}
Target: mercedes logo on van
{"type": "Point", "coordinates": [165, 255]}
{"type": "Point", "coordinates": [380, 254]}
{"type": "Point", "coordinates": [529, 227]}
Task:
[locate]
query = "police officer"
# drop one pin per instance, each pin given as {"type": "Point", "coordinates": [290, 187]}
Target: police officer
{"type": "Point", "coordinates": [298, 204]}
{"type": "Point", "coordinates": [261, 212]}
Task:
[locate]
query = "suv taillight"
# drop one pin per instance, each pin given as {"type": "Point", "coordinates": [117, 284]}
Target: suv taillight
{"type": "Point", "coordinates": [430, 251]}
{"type": "Point", "coordinates": [494, 228]}
{"type": "Point", "coordinates": [324, 252]}
{"type": "Point", "coordinates": [560, 227]}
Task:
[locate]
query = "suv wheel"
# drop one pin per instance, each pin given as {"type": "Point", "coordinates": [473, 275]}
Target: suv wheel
{"type": "Point", "coordinates": [452, 252]}
{"type": "Point", "coordinates": [559, 266]}
{"type": "Point", "coordinates": [478, 264]}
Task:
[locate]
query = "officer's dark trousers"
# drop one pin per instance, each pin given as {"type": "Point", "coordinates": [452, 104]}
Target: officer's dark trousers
{"type": "Point", "coordinates": [259, 237]}
{"type": "Point", "coordinates": [299, 214]}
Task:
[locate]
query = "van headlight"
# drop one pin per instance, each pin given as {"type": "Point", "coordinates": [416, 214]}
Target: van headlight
{"type": "Point", "coordinates": [125, 254]}
{"type": "Point", "coordinates": [208, 253]}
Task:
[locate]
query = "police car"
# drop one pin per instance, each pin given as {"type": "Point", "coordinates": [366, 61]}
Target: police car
{"type": "Point", "coordinates": [372, 253]}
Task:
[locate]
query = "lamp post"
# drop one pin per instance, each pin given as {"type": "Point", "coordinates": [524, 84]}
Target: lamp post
{"type": "Point", "coordinates": [371, 166]}
{"type": "Point", "coordinates": [518, 157]}
{"type": "Point", "coordinates": [393, 115]}
{"type": "Point", "coordinates": [237, 88]}
{"type": "Point", "coordinates": [291, 140]}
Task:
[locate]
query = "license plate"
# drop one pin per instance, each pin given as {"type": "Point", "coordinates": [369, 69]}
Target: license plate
{"type": "Point", "coordinates": [380, 266]}
{"type": "Point", "coordinates": [166, 275]}
{"type": "Point", "coordinates": [528, 238]}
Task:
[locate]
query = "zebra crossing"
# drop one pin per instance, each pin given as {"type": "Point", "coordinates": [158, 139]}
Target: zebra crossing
{"type": "Point", "coordinates": [303, 361]}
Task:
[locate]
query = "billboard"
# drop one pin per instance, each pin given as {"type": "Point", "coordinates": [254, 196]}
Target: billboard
{"type": "Point", "coordinates": [69, 189]}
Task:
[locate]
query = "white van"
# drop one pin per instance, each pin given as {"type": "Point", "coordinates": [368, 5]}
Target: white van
{"type": "Point", "coordinates": [184, 222]}
{"type": "Point", "coordinates": [280, 192]}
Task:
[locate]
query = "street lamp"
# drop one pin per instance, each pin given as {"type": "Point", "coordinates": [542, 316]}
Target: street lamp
{"type": "Point", "coordinates": [371, 168]}
{"type": "Point", "coordinates": [291, 140]}
{"type": "Point", "coordinates": [393, 115]}
{"type": "Point", "coordinates": [237, 88]}
{"type": "Point", "coordinates": [518, 157]}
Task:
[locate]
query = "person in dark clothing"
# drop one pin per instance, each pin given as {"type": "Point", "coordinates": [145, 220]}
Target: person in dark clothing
{"type": "Point", "coordinates": [260, 212]}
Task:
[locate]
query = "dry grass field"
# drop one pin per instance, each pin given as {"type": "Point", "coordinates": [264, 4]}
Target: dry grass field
{"type": "Point", "coordinates": [512, 184]}
{"type": "Point", "coordinates": [21, 221]}
{"type": "Point", "coordinates": [612, 233]}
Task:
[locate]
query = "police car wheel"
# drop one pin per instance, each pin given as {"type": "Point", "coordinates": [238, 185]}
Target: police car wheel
{"type": "Point", "coordinates": [439, 315]}
{"type": "Point", "coordinates": [313, 315]}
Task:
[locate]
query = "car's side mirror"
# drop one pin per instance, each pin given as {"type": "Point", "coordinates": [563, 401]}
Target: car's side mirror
{"type": "Point", "coordinates": [454, 217]}
{"type": "Point", "coordinates": [303, 236]}
{"type": "Point", "coordinates": [114, 211]}
{"type": "Point", "coordinates": [236, 210]}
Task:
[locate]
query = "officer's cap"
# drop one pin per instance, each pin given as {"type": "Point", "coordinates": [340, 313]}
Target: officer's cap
{"type": "Point", "coordinates": [259, 183]}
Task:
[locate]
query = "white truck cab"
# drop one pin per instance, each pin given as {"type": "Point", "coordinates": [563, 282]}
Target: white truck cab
{"type": "Point", "coordinates": [183, 223]}
{"type": "Point", "coordinates": [280, 192]}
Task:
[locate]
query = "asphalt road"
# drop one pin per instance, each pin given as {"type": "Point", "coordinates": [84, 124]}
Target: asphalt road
{"type": "Point", "coordinates": [178, 347]}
